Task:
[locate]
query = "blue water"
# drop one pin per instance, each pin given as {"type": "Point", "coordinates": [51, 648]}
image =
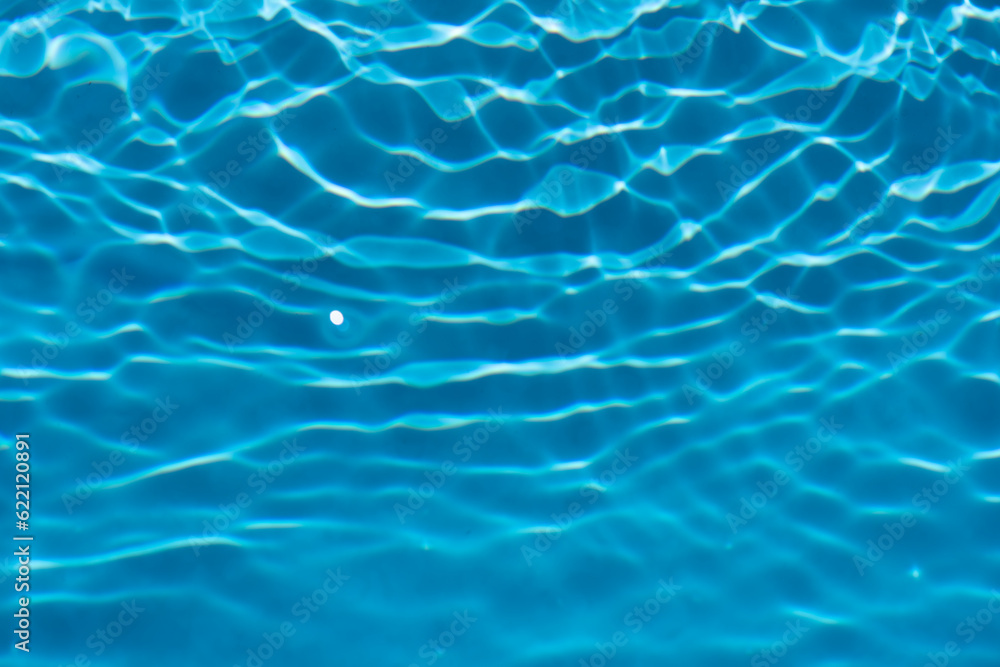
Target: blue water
{"type": "Point", "coordinates": [670, 332]}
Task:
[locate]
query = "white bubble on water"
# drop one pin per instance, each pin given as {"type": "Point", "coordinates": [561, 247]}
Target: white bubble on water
{"type": "Point", "coordinates": [336, 317]}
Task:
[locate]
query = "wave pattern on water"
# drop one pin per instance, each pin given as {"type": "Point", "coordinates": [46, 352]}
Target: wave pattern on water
{"type": "Point", "coordinates": [670, 329]}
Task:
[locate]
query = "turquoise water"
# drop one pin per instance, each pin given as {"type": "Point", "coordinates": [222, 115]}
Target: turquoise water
{"type": "Point", "coordinates": [670, 332]}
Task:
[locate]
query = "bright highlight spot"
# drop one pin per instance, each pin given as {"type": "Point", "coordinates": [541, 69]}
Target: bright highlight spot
{"type": "Point", "coordinates": [337, 317]}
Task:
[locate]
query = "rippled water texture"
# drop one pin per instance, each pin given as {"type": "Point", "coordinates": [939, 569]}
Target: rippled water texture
{"type": "Point", "coordinates": [669, 337]}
